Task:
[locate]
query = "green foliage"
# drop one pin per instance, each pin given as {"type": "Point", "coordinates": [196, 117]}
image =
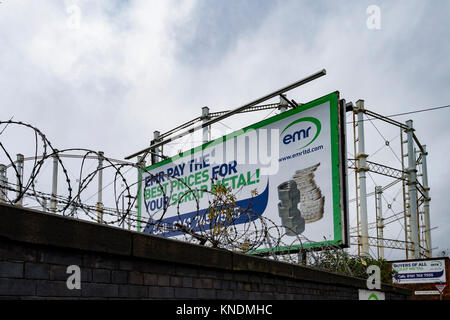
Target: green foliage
{"type": "Point", "coordinates": [338, 261]}
{"type": "Point", "coordinates": [358, 266]}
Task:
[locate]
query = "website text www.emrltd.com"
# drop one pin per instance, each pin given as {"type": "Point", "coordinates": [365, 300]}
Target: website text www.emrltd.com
{"type": "Point", "coordinates": [301, 153]}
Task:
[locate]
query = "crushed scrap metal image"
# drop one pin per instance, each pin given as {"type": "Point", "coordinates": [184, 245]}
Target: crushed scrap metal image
{"type": "Point", "coordinates": [291, 218]}
{"type": "Point", "coordinates": [311, 199]}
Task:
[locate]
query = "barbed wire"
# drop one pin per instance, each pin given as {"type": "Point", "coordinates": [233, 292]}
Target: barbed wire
{"type": "Point", "coordinates": [220, 225]}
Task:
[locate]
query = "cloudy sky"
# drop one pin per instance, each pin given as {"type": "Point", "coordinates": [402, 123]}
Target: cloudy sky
{"type": "Point", "coordinates": [104, 75]}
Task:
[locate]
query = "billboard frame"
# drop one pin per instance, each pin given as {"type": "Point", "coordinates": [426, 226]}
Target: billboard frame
{"type": "Point", "coordinates": [339, 171]}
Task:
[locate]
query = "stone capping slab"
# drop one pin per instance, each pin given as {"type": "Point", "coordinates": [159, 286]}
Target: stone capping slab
{"type": "Point", "coordinates": [152, 247]}
{"type": "Point", "coordinates": [37, 227]}
{"type": "Point", "coordinates": [243, 262]}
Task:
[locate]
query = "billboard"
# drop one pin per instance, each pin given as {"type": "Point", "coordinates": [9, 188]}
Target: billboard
{"type": "Point", "coordinates": [286, 174]}
{"type": "Point", "coordinates": [419, 271]}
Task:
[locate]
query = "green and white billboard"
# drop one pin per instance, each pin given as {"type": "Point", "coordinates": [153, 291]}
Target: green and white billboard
{"type": "Point", "coordinates": [287, 174]}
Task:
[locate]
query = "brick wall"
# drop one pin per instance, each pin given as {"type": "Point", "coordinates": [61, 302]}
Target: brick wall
{"type": "Point", "coordinates": [37, 248]}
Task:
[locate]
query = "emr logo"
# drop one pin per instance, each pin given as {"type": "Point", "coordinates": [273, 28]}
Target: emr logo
{"type": "Point", "coordinates": [302, 131]}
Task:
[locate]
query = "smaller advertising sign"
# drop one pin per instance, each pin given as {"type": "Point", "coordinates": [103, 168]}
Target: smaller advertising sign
{"type": "Point", "coordinates": [419, 271]}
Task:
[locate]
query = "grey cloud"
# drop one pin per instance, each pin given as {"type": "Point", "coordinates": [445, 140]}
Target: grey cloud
{"type": "Point", "coordinates": [137, 66]}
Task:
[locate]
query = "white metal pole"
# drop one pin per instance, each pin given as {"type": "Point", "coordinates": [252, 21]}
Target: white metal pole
{"type": "Point", "coordinates": [412, 189]}
{"type": "Point", "coordinates": [207, 129]}
{"type": "Point", "coordinates": [426, 204]}
{"type": "Point", "coordinates": [54, 182]}
{"type": "Point", "coordinates": [73, 212]}
{"type": "Point", "coordinates": [141, 164]}
{"type": "Point", "coordinates": [156, 134]}
{"type": "Point", "coordinates": [362, 168]}
{"type": "Point", "coordinates": [20, 160]}
{"type": "Point", "coordinates": [119, 216]}
{"type": "Point", "coordinates": [100, 188]}
{"type": "Point", "coordinates": [380, 222]}
{"type": "Point", "coordinates": [44, 205]}
{"type": "Point", "coordinates": [3, 183]}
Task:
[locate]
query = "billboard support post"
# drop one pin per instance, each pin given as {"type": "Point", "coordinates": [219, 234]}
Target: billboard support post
{"type": "Point", "coordinates": [426, 204]}
{"type": "Point", "coordinates": [380, 223]}
{"type": "Point", "coordinates": [206, 130]}
{"type": "Point", "coordinates": [361, 170]}
{"type": "Point", "coordinates": [100, 188]}
{"type": "Point", "coordinates": [140, 164]}
{"type": "Point", "coordinates": [54, 182]}
{"type": "Point", "coordinates": [303, 257]}
{"type": "Point", "coordinates": [119, 216]}
{"type": "Point", "coordinates": [20, 160]}
{"type": "Point", "coordinates": [155, 151]}
{"type": "Point", "coordinates": [412, 189]}
{"type": "Point", "coordinates": [3, 183]}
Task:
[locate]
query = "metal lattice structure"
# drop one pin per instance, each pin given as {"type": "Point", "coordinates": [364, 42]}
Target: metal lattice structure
{"type": "Point", "coordinates": [415, 214]}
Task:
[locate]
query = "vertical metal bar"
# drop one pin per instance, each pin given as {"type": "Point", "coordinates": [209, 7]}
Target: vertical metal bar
{"type": "Point", "coordinates": [206, 130]}
{"type": "Point", "coordinates": [344, 173]}
{"type": "Point", "coordinates": [426, 204]}
{"type": "Point", "coordinates": [380, 222]}
{"type": "Point", "coordinates": [121, 224]}
{"type": "Point", "coordinates": [404, 192]}
{"type": "Point", "coordinates": [362, 168]}
{"type": "Point", "coordinates": [141, 165]}
{"type": "Point", "coordinates": [156, 135]}
{"type": "Point", "coordinates": [100, 187]}
{"type": "Point", "coordinates": [54, 182]}
{"type": "Point", "coordinates": [44, 205]}
{"type": "Point", "coordinates": [355, 139]}
{"type": "Point", "coordinates": [73, 212]}
{"type": "Point", "coordinates": [420, 222]}
{"type": "Point", "coordinates": [154, 151]}
{"type": "Point", "coordinates": [3, 183]}
{"type": "Point", "coordinates": [20, 160]}
{"type": "Point", "coordinates": [303, 257]}
{"type": "Point", "coordinates": [412, 189]}
{"type": "Point", "coordinates": [376, 222]}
